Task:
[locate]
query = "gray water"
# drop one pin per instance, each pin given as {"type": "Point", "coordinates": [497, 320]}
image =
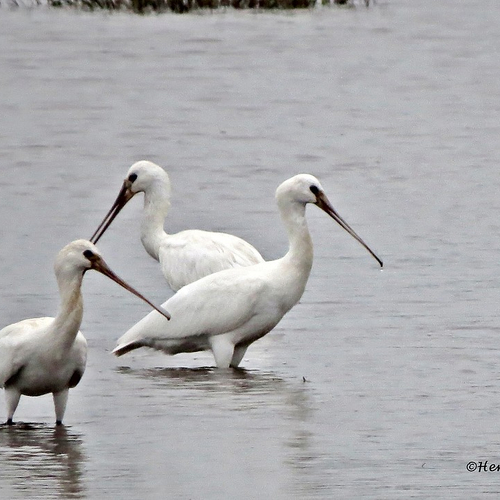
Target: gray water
{"type": "Point", "coordinates": [378, 384]}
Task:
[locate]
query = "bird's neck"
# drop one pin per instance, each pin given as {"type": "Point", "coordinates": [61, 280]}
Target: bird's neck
{"type": "Point", "coordinates": [70, 314]}
{"type": "Point", "coordinates": [156, 205]}
{"type": "Point", "coordinates": [300, 252]}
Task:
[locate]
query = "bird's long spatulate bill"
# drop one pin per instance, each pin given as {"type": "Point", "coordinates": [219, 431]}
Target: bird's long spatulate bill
{"type": "Point", "coordinates": [325, 205]}
{"type": "Point", "coordinates": [121, 200]}
{"type": "Point", "coordinates": [102, 267]}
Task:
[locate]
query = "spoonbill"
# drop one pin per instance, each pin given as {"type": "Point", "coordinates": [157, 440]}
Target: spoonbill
{"type": "Point", "coordinates": [225, 312]}
{"type": "Point", "coordinates": [42, 355]}
{"type": "Point", "coordinates": [188, 255]}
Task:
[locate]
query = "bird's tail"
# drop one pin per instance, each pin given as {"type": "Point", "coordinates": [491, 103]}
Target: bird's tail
{"type": "Point", "coordinates": [122, 349]}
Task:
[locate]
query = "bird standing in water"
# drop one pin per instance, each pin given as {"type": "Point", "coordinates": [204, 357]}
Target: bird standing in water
{"type": "Point", "coordinates": [48, 355]}
{"type": "Point", "coordinates": [225, 312]}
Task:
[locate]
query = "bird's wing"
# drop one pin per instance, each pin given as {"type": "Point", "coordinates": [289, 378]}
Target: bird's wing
{"type": "Point", "coordinates": [190, 255]}
{"type": "Point", "coordinates": [79, 354]}
{"type": "Point", "coordinates": [14, 345]}
{"type": "Point", "coordinates": [216, 304]}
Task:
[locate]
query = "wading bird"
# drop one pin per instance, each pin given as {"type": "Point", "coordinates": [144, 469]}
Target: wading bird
{"type": "Point", "coordinates": [42, 355]}
{"type": "Point", "coordinates": [227, 311]}
{"type": "Point", "coordinates": [188, 255]}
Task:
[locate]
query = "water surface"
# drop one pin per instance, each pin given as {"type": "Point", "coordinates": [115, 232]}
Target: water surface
{"type": "Point", "coordinates": [379, 384]}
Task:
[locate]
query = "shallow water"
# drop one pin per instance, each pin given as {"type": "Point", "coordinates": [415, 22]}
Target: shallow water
{"type": "Point", "coordinates": [379, 384]}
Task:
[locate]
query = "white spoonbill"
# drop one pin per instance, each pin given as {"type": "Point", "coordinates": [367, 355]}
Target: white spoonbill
{"type": "Point", "coordinates": [188, 255]}
{"type": "Point", "coordinates": [227, 311]}
{"type": "Point", "coordinates": [42, 355]}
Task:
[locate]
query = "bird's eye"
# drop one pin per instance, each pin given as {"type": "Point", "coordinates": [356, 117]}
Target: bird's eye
{"type": "Point", "coordinates": [314, 189]}
{"type": "Point", "coordinates": [89, 254]}
{"type": "Point", "coordinates": [132, 177]}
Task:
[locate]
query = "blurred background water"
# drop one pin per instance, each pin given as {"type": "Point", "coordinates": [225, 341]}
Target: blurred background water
{"type": "Point", "coordinates": [379, 384]}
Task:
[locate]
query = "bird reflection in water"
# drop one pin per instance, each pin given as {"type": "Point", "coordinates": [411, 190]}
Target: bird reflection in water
{"type": "Point", "coordinates": [38, 460]}
{"type": "Point", "coordinates": [211, 380]}
{"type": "Point", "coordinates": [258, 400]}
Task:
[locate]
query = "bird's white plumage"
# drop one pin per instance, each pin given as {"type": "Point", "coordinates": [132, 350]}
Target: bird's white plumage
{"type": "Point", "coordinates": [244, 304]}
{"type": "Point", "coordinates": [227, 311]}
{"type": "Point", "coordinates": [190, 255]}
{"type": "Point", "coordinates": [48, 355]}
{"type": "Point", "coordinates": [186, 256]}
{"type": "Point", "coordinates": [27, 345]}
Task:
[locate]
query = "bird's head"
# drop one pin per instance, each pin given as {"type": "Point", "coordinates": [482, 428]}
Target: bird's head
{"type": "Point", "coordinates": [81, 255]}
{"type": "Point", "coordinates": [143, 176]}
{"type": "Point", "coordinates": [305, 188]}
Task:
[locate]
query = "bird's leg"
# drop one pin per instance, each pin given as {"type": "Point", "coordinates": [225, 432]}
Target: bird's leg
{"type": "Point", "coordinates": [222, 349]}
{"type": "Point", "coordinates": [239, 352]}
{"type": "Point", "coordinates": [60, 400]}
{"type": "Point", "coordinates": [12, 397]}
